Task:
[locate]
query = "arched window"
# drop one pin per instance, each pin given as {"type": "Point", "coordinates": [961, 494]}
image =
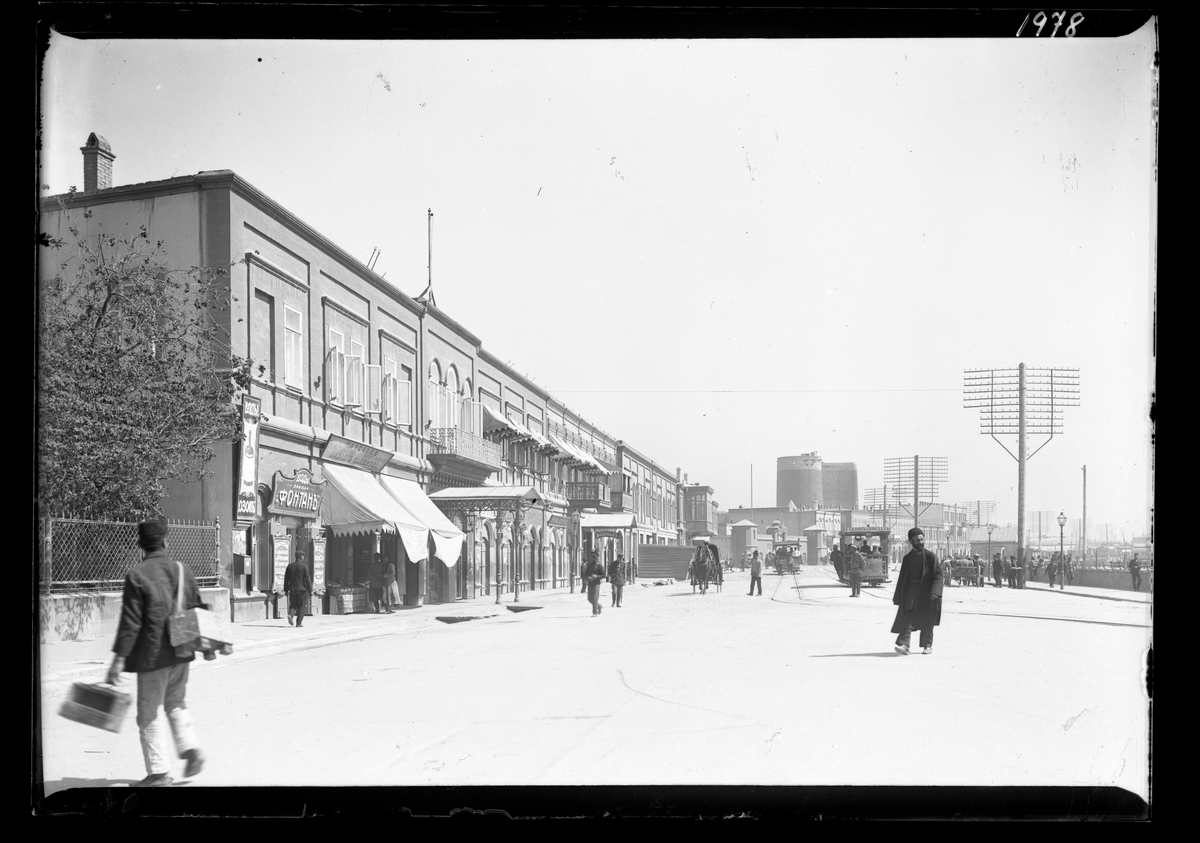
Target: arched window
{"type": "Point", "coordinates": [466, 400]}
{"type": "Point", "coordinates": [450, 416]}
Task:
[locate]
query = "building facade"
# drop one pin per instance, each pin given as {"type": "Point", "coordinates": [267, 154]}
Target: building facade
{"type": "Point", "coordinates": [374, 422]}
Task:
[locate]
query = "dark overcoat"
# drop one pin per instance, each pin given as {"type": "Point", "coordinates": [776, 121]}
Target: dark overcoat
{"type": "Point", "coordinates": [914, 605]}
{"type": "Point", "coordinates": [296, 577]}
{"type": "Point", "coordinates": [147, 604]}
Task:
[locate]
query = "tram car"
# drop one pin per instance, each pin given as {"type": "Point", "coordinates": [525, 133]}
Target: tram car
{"type": "Point", "coordinates": [875, 567]}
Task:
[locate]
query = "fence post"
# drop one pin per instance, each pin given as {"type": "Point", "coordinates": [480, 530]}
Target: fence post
{"type": "Point", "coordinates": [47, 550]}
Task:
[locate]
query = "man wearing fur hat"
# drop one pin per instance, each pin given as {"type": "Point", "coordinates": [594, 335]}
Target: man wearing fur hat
{"type": "Point", "coordinates": [143, 646]}
{"type": "Point", "coordinates": [918, 595]}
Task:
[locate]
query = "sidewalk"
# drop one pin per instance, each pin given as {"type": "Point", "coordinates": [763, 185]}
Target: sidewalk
{"type": "Point", "coordinates": [75, 660]}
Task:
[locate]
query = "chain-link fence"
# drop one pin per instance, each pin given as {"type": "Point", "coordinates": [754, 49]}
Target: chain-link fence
{"type": "Point", "coordinates": [78, 554]}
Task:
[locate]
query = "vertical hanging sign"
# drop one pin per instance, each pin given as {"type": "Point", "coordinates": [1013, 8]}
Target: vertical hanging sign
{"type": "Point", "coordinates": [281, 558]}
{"type": "Point", "coordinates": [318, 566]}
{"type": "Point", "coordinates": [247, 497]}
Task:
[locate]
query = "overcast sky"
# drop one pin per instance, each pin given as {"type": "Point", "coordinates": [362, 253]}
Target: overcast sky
{"type": "Point", "coordinates": [721, 252]}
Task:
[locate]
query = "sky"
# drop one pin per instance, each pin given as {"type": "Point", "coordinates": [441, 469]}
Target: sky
{"type": "Point", "coordinates": [719, 251]}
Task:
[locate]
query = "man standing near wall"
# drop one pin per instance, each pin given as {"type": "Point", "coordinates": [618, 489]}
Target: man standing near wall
{"type": "Point", "coordinates": [1135, 572]}
{"type": "Point", "coordinates": [143, 646]}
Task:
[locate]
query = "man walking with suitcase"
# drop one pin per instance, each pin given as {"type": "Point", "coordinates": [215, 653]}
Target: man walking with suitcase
{"type": "Point", "coordinates": [143, 646]}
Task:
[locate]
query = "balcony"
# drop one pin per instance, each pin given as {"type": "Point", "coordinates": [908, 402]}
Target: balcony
{"type": "Point", "coordinates": [465, 455]}
{"type": "Point", "coordinates": [588, 494]}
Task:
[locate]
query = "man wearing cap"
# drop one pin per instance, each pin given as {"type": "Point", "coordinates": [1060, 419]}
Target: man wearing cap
{"type": "Point", "coordinates": [143, 646]}
{"type": "Point", "coordinates": [297, 585]}
{"type": "Point", "coordinates": [918, 595]}
{"type": "Point", "coordinates": [854, 569]}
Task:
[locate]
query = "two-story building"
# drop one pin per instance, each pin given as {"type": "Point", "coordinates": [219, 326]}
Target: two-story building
{"type": "Point", "coordinates": [374, 422]}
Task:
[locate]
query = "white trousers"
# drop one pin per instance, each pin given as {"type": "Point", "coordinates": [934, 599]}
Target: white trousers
{"type": "Point", "coordinates": [159, 691]}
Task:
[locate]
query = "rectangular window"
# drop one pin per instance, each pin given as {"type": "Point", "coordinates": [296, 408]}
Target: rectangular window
{"type": "Point", "coordinates": [354, 375]}
{"type": "Point", "coordinates": [373, 373]}
{"type": "Point", "coordinates": [262, 336]}
{"type": "Point", "coordinates": [293, 347]}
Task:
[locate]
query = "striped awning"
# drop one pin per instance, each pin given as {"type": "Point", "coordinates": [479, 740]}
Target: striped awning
{"type": "Point", "coordinates": [355, 503]}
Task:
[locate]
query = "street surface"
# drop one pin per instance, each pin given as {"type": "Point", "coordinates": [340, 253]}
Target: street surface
{"type": "Point", "coordinates": [800, 686]}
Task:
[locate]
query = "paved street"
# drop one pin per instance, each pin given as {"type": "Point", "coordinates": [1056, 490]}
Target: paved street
{"type": "Point", "coordinates": [798, 687]}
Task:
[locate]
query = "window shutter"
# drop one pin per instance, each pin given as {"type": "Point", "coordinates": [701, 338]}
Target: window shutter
{"type": "Point", "coordinates": [388, 387]}
{"type": "Point", "coordinates": [373, 374]}
{"type": "Point", "coordinates": [403, 402]}
{"type": "Point", "coordinates": [354, 381]}
{"type": "Point", "coordinates": [335, 363]}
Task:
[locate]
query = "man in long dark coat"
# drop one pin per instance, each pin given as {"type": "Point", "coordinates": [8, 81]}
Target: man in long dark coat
{"type": "Point", "coordinates": [918, 595]}
{"type": "Point", "coordinates": [297, 585]}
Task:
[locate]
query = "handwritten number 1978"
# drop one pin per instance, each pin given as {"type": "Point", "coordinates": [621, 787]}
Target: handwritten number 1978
{"type": "Point", "coordinates": [1040, 20]}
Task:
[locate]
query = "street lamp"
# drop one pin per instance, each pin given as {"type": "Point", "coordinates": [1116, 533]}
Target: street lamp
{"type": "Point", "coordinates": [990, 528]}
{"type": "Point", "coordinates": [1062, 560]}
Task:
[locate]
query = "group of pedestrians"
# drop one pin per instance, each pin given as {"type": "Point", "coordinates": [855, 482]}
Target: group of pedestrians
{"type": "Point", "coordinates": [595, 573]}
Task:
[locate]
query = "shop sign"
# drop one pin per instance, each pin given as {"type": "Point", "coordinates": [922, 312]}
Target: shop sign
{"type": "Point", "coordinates": [356, 454]}
{"type": "Point", "coordinates": [297, 496]}
{"type": "Point", "coordinates": [247, 498]}
{"type": "Point", "coordinates": [559, 521]}
{"type": "Point", "coordinates": [318, 566]}
{"type": "Point", "coordinates": [281, 557]}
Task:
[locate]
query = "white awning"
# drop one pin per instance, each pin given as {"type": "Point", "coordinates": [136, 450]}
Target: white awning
{"type": "Point", "coordinates": [582, 456]}
{"type": "Point", "coordinates": [492, 420]}
{"type": "Point", "coordinates": [527, 494]}
{"type": "Point", "coordinates": [447, 539]}
{"type": "Point", "coordinates": [607, 520]}
{"type": "Point", "coordinates": [354, 503]}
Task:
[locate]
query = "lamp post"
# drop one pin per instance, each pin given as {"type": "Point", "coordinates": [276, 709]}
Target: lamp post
{"type": "Point", "coordinates": [990, 528]}
{"type": "Point", "coordinates": [1062, 560]}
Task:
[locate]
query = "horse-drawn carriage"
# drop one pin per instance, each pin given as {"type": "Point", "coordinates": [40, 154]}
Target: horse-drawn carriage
{"type": "Point", "coordinates": [788, 557]}
{"type": "Point", "coordinates": [965, 571]}
{"type": "Point", "coordinates": [705, 568]}
{"type": "Point", "coordinates": [875, 560]}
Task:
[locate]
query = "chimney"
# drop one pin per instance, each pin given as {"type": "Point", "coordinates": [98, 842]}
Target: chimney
{"type": "Point", "coordinates": [97, 163]}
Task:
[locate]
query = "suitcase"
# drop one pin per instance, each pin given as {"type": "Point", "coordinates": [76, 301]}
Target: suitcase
{"type": "Point", "coordinates": [102, 706]}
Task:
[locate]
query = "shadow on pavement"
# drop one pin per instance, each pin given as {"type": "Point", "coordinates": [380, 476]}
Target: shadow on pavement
{"type": "Point", "coordinates": [890, 655]}
{"type": "Point", "coordinates": [69, 783]}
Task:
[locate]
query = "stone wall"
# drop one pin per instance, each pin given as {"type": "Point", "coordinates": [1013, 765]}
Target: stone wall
{"type": "Point", "coordinates": [85, 616]}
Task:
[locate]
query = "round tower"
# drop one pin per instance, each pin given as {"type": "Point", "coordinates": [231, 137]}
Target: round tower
{"type": "Point", "coordinates": [798, 479]}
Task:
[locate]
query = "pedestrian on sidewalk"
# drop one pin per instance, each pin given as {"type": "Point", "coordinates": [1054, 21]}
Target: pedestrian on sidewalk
{"type": "Point", "coordinates": [375, 583]}
{"type": "Point", "coordinates": [918, 595]}
{"type": "Point", "coordinates": [143, 646]}
{"type": "Point", "coordinates": [297, 585]}
{"type": "Point", "coordinates": [835, 559]}
{"type": "Point", "coordinates": [391, 591]}
{"type": "Point", "coordinates": [594, 575]}
{"type": "Point", "coordinates": [997, 571]}
{"type": "Point", "coordinates": [1135, 572]}
{"type": "Point", "coordinates": [854, 567]}
{"type": "Point", "coordinates": [616, 578]}
{"type": "Point", "coordinates": [755, 574]}
{"type": "Point", "coordinates": [1052, 571]}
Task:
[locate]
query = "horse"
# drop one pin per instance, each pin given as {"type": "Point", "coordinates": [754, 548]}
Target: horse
{"type": "Point", "coordinates": [701, 569]}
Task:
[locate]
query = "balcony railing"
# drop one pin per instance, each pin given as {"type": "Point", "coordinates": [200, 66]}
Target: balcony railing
{"type": "Point", "coordinates": [458, 443]}
{"type": "Point", "coordinates": [588, 492]}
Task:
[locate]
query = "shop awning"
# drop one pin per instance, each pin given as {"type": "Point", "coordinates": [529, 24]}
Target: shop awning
{"type": "Point", "coordinates": [447, 539]}
{"type": "Point", "coordinates": [585, 460]}
{"type": "Point", "coordinates": [524, 494]}
{"type": "Point", "coordinates": [607, 520]}
{"type": "Point", "coordinates": [355, 503]}
{"type": "Point", "coordinates": [492, 420]}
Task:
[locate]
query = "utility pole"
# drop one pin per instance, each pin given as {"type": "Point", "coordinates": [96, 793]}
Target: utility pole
{"type": "Point", "coordinates": [1083, 528]}
{"type": "Point", "coordinates": [1003, 396]}
{"type": "Point", "coordinates": [920, 476]}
